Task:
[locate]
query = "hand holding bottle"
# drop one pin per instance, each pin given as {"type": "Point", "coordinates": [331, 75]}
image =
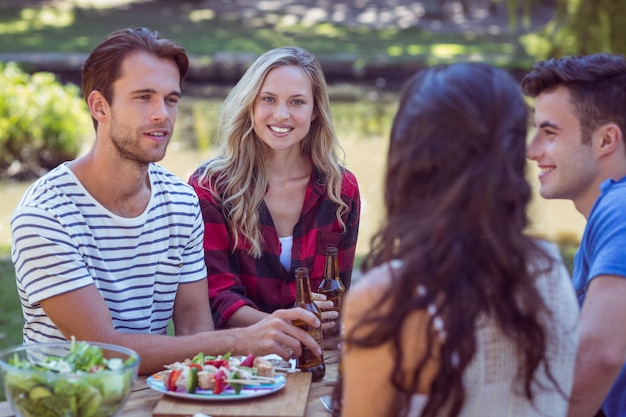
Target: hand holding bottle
{"type": "Point", "coordinates": [332, 287]}
{"type": "Point", "coordinates": [328, 311]}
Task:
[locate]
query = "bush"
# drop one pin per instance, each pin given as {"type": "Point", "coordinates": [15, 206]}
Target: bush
{"type": "Point", "coordinates": [42, 122]}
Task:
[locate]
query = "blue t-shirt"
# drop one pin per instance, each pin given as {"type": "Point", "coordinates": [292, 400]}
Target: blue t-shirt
{"type": "Point", "coordinates": [602, 251]}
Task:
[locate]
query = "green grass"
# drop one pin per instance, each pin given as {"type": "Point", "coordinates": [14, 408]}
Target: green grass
{"type": "Point", "coordinates": [568, 252]}
{"type": "Point", "coordinates": [11, 320]}
{"type": "Point", "coordinates": [202, 33]}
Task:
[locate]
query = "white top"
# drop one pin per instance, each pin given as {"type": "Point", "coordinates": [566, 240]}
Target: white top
{"type": "Point", "coordinates": [64, 240]}
{"type": "Point", "coordinates": [490, 379]}
{"type": "Point", "coordinates": [286, 243]}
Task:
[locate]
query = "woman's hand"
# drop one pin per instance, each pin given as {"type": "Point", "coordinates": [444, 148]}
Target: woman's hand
{"type": "Point", "coordinates": [325, 306]}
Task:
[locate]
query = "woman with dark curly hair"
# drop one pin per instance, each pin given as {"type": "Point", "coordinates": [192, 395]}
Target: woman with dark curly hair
{"type": "Point", "coordinates": [460, 312]}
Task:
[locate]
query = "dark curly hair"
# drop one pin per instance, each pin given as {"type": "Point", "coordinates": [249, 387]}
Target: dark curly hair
{"type": "Point", "coordinates": [456, 199]}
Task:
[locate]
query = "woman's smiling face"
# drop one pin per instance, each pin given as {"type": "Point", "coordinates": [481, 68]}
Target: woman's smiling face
{"type": "Point", "coordinates": [284, 108]}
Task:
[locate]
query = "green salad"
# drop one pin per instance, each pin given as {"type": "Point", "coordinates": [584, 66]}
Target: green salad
{"type": "Point", "coordinates": [83, 383]}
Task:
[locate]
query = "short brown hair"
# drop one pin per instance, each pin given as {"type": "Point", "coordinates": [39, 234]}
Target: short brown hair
{"type": "Point", "coordinates": [102, 67]}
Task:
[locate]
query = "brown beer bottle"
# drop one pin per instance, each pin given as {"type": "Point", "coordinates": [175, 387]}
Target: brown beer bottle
{"type": "Point", "coordinates": [332, 287]}
{"type": "Point", "coordinates": [308, 361]}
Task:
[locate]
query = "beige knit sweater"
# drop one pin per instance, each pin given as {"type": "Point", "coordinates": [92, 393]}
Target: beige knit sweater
{"type": "Point", "coordinates": [490, 380]}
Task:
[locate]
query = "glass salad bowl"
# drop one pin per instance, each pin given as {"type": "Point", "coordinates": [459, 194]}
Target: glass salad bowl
{"type": "Point", "coordinates": [68, 379]}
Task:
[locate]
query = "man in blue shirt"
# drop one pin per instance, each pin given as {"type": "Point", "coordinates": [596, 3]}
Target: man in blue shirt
{"type": "Point", "coordinates": [579, 147]}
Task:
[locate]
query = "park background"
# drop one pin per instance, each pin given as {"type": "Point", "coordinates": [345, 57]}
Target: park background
{"type": "Point", "coordinates": [367, 48]}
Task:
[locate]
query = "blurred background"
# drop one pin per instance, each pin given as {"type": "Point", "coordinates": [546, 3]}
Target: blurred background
{"type": "Point", "coordinates": [367, 48]}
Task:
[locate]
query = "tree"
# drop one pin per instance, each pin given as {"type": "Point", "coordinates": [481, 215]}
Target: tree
{"type": "Point", "coordinates": [42, 122]}
{"type": "Point", "coordinates": [580, 27]}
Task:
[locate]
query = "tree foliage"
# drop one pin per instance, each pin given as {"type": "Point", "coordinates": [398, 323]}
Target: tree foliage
{"type": "Point", "coordinates": [580, 27]}
{"type": "Point", "coordinates": [42, 122]}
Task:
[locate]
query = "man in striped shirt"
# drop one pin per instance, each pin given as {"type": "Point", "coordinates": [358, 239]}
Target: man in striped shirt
{"type": "Point", "coordinates": [108, 247]}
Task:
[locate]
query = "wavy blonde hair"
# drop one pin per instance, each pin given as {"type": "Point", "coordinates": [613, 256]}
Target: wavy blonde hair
{"type": "Point", "coordinates": [238, 178]}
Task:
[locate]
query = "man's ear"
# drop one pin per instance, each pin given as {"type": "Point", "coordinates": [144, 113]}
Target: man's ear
{"type": "Point", "coordinates": [609, 138]}
{"type": "Point", "coordinates": [98, 106]}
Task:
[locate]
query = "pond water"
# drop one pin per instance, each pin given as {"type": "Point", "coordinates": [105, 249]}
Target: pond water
{"type": "Point", "coordinates": [362, 127]}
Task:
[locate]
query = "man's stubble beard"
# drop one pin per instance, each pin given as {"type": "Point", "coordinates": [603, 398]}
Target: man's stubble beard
{"type": "Point", "coordinates": [126, 143]}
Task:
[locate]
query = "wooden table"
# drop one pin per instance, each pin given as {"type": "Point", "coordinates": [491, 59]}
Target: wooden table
{"type": "Point", "coordinates": [143, 399]}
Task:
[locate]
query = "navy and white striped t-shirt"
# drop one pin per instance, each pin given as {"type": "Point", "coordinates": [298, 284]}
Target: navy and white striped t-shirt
{"type": "Point", "coordinates": [64, 240]}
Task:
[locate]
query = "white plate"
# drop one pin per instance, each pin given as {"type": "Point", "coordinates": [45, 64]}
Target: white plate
{"type": "Point", "coordinates": [248, 391]}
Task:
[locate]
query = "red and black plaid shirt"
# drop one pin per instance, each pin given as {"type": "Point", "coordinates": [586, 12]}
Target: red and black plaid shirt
{"type": "Point", "coordinates": [237, 279]}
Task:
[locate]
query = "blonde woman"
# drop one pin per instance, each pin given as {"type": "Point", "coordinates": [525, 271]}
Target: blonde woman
{"type": "Point", "coordinates": [277, 196]}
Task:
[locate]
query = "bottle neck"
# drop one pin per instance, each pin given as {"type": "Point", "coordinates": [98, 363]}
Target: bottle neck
{"type": "Point", "coordinates": [303, 289]}
{"type": "Point", "coordinates": [331, 268]}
